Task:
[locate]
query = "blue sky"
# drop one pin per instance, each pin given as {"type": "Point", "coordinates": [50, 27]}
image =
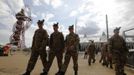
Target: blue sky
{"type": "Point", "coordinates": [89, 15]}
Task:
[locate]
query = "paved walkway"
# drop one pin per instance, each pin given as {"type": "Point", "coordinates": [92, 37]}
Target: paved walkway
{"type": "Point", "coordinates": [16, 65]}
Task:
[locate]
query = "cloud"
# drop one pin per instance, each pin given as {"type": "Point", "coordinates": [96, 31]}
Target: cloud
{"type": "Point", "coordinates": [48, 16]}
{"type": "Point", "coordinates": [120, 13]}
{"type": "Point", "coordinates": [33, 15]}
{"type": "Point", "coordinates": [37, 2]}
{"type": "Point", "coordinates": [46, 1]}
{"type": "Point", "coordinates": [73, 13]}
{"type": "Point", "coordinates": [90, 28]}
{"type": "Point", "coordinates": [29, 35]}
{"type": "Point", "coordinates": [56, 3]}
{"type": "Point", "coordinates": [4, 36]}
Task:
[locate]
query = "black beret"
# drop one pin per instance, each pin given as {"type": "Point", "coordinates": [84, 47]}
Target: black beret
{"type": "Point", "coordinates": [55, 25]}
{"type": "Point", "coordinates": [71, 27]}
{"type": "Point", "coordinates": [117, 29]}
{"type": "Point", "coordinates": [40, 21]}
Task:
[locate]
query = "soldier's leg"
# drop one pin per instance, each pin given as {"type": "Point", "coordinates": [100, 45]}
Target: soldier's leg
{"type": "Point", "coordinates": [117, 65]}
{"type": "Point", "coordinates": [104, 60]}
{"type": "Point", "coordinates": [110, 62]}
{"type": "Point", "coordinates": [43, 56]}
{"type": "Point", "coordinates": [122, 64]}
{"type": "Point", "coordinates": [89, 60]}
{"type": "Point", "coordinates": [50, 59]}
{"type": "Point", "coordinates": [93, 57]}
{"type": "Point", "coordinates": [101, 58]}
{"type": "Point", "coordinates": [75, 62]}
{"type": "Point", "coordinates": [59, 57]}
{"type": "Point", "coordinates": [32, 62]}
{"type": "Point", "coordinates": [65, 64]}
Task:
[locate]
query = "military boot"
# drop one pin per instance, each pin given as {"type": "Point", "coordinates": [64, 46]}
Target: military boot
{"type": "Point", "coordinates": [61, 73]}
{"type": "Point", "coordinates": [75, 73]}
{"type": "Point", "coordinates": [111, 66]}
{"type": "Point", "coordinates": [89, 63]}
{"type": "Point", "coordinates": [117, 73]}
{"type": "Point", "coordinates": [57, 73]}
{"type": "Point", "coordinates": [94, 61]}
{"type": "Point", "coordinates": [26, 73]}
{"type": "Point", "coordinates": [124, 74]}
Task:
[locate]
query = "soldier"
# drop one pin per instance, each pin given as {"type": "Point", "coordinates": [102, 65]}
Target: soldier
{"type": "Point", "coordinates": [118, 49]}
{"type": "Point", "coordinates": [91, 52]}
{"type": "Point", "coordinates": [56, 47]}
{"type": "Point", "coordinates": [40, 41]}
{"type": "Point", "coordinates": [106, 56]}
{"type": "Point", "coordinates": [71, 44]}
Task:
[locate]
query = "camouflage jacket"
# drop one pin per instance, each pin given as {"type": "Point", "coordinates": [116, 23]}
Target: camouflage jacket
{"type": "Point", "coordinates": [40, 39]}
{"type": "Point", "coordinates": [91, 49]}
{"type": "Point", "coordinates": [117, 44]}
{"type": "Point", "coordinates": [72, 39]}
{"type": "Point", "coordinates": [56, 41]}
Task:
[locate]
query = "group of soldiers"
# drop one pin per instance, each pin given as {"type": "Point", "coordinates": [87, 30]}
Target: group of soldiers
{"type": "Point", "coordinates": [115, 49]}
{"type": "Point", "coordinates": [58, 45]}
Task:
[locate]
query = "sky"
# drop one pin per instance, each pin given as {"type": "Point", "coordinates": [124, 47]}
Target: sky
{"type": "Point", "coordinates": [88, 15]}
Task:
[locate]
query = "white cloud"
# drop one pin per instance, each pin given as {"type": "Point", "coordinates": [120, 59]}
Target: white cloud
{"type": "Point", "coordinates": [4, 36]}
{"type": "Point", "coordinates": [48, 16]}
{"type": "Point", "coordinates": [29, 35]}
{"type": "Point", "coordinates": [56, 3]}
{"type": "Point", "coordinates": [37, 2]}
{"type": "Point", "coordinates": [33, 15]}
{"type": "Point", "coordinates": [73, 13]}
{"type": "Point", "coordinates": [95, 11]}
{"type": "Point", "coordinates": [46, 1]}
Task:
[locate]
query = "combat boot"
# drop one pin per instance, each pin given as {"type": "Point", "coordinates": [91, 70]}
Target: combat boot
{"type": "Point", "coordinates": [89, 63]}
{"type": "Point", "coordinates": [111, 66]}
{"type": "Point", "coordinates": [57, 73]}
{"type": "Point", "coordinates": [26, 73]}
{"type": "Point", "coordinates": [94, 61]}
{"type": "Point", "coordinates": [75, 73]}
{"type": "Point", "coordinates": [61, 73]}
{"type": "Point", "coordinates": [124, 74]}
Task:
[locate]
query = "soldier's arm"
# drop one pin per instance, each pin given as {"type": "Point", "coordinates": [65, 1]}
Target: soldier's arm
{"type": "Point", "coordinates": [33, 42]}
{"type": "Point", "coordinates": [110, 43]}
{"type": "Point", "coordinates": [77, 41]}
{"type": "Point", "coordinates": [45, 41]}
{"type": "Point", "coordinates": [66, 41]}
{"type": "Point", "coordinates": [125, 46]}
{"type": "Point", "coordinates": [51, 40]}
{"type": "Point", "coordinates": [62, 41]}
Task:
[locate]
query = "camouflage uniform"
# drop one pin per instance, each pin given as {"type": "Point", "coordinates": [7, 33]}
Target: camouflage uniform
{"type": "Point", "coordinates": [91, 53]}
{"type": "Point", "coordinates": [105, 56]}
{"type": "Point", "coordinates": [117, 47]}
{"type": "Point", "coordinates": [40, 41]}
{"type": "Point", "coordinates": [56, 48]}
{"type": "Point", "coordinates": [71, 44]}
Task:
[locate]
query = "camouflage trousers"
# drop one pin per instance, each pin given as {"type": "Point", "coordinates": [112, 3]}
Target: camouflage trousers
{"type": "Point", "coordinates": [68, 55]}
{"type": "Point", "coordinates": [59, 56]}
{"type": "Point", "coordinates": [120, 61]}
{"type": "Point", "coordinates": [34, 57]}
{"type": "Point", "coordinates": [91, 57]}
